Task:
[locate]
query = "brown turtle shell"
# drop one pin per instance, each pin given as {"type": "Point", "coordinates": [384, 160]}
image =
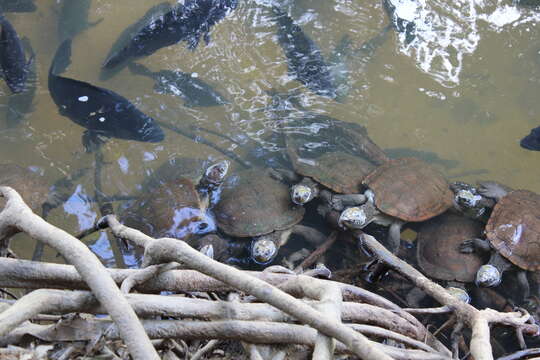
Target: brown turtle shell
{"type": "Point", "coordinates": [340, 172]}
{"type": "Point", "coordinates": [170, 204]}
{"type": "Point", "coordinates": [31, 186]}
{"type": "Point", "coordinates": [409, 189]}
{"type": "Point", "coordinates": [437, 247]}
{"type": "Point", "coordinates": [253, 203]}
{"type": "Point", "coordinates": [514, 228]}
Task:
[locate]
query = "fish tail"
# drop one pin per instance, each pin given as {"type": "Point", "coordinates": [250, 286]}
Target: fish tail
{"type": "Point", "coordinates": [62, 58]}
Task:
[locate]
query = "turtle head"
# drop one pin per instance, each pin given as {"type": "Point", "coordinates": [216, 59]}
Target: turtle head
{"type": "Point", "coordinates": [353, 217]}
{"type": "Point", "coordinates": [215, 174]}
{"type": "Point", "coordinates": [301, 194]}
{"type": "Point", "coordinates": [488, 276]}
{"type": "Point", "coordinates": [459, 293]}
{"type": "Point", "coordinates": [263, 250]}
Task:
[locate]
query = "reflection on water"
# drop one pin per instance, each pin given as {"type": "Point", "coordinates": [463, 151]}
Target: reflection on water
{"type": "Point", "coordinates": [462, 93]}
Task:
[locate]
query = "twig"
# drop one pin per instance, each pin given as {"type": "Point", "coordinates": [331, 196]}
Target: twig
{"type": "Point", "coordinates": [17, 214]}
{"type": "Point", "coordinates": [315, 255]}
{"type": "Point", "coordinates": [211, 345]}
{"type": "Point", "coordinates": [144, 275]}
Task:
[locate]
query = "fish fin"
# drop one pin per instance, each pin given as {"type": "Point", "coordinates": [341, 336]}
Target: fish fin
{"type": "Point", "coordinates": [62, 58]}
{"type": "Point", "coordinates": [92, 141]}
{"type": "Point", "coordinates": [193, 42]}
{"type": "Point", "coordinates": [93, 23]}
{"type": "Point", "coordinates": [139, 69]}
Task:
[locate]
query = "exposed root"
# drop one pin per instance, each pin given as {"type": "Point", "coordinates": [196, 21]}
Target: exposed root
{"type": "Point", "coordinates": [477, 320]}
{"type": "Point", "coordinates": [17, 214]}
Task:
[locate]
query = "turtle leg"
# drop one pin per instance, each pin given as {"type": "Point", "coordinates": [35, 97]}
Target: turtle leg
{"type": "Point", "coordinates": [394, 236]}
{"type": "Point", "coordinates": [340, 202]}
{"type": "Point", "coordinates": [311, 235]}
{"type": "Point", "coordinates": [493, 190]}
{"type": "Point", "coordinates": [474, 245]}
{"type": "Point", "coordinates": [523, 283]}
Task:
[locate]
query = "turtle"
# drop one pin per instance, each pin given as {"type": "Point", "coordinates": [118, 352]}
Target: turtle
{"type": "Point", "coordinates": [438, 252]}
{"type": "Point", "coordinates": [400, 191]}
{"type": "Point", "coordinates": [255, 205]}
{"type": "Point", "coordinates": [175, 199]}
{"type": "Point", "coordinates": [512, 236]}
{"type": "Point", "coordinates": [339, 168]}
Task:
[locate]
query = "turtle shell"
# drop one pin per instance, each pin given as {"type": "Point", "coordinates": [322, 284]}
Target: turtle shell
{"type": "Point", "coordinates": [409, 189]}
{"type": "Point", "coordinates": [438, 248]}
{"type": "Point", "coordinates": [31, 186]}
{"type": "Point", "coordinates": [253, 203]}
{"type": "Point", "coordinates": [170, 204]}
{"type": "Point", "coordinates": [514, 228]}
{"type": "Point", "coordinates": [338, 171]}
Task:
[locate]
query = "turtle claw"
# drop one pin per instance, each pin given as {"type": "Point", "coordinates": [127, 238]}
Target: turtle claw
{"type": "Point", "coordinates": [467, 246]}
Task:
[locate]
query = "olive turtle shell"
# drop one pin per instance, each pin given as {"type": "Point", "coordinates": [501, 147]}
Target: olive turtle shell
{"type": "Point", "coordinates": [409, 189]}
{"type": "Point", "coordinates": [338, 171]}
{"type": "Point", "coordinates": [170, 204]}
{"type": "Point", "coordinates": [437, 247]}
{"type": "Point", "coordinates": [31, 186]}
{"type": "Point", "coordinates": [514, 228]}
{"type": "Point", "coordinates": [253, 203]}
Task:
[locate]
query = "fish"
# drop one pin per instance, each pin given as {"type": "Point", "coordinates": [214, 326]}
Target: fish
{"type": "Point", "coordinates": [17, 6]}
{"type": "Point", "coordinates": [159, 28]}
{"type": "Point", "coordinates": [12, 58]}
{"type": "Point", "coordinates": [102, 112]}
{"type": "Point", "coordinates": [346, 58]}
{"type": "Point", "coordinates": [305, 60]}
{"type": "Point", "coordinates": [427, 156]}
{"type": "Point", "coordinates": [193, 90]}
{"type": "Point", "coordinates": [73, 18]}
{"type": "Point", "coordinates": [21, 104]}
{"type": "Point", "coordinates": [531, 141]}
{"type": "Point", "coordinates": [400, 25]}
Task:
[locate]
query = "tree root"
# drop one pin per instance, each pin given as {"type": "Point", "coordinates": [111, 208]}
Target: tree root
{"type": "Point", "coordinates": [477, 320]}
{"type": "Point", "coordinates": [16, 214]}
{"type": "Point", "coordinates": [257, 332]}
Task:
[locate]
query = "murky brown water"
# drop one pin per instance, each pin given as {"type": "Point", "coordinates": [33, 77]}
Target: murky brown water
{"type": "Point", "coordinates": [471, 104]}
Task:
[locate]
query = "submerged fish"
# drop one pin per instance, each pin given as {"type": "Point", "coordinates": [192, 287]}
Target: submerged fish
{"type": "Point", "coordinates": [73, 18]}
{"type": "Point", "coordinates": [400, 24]}
{"type": "Point", "coordinates": [158, 29]}
{"type": "Point", "coordinates": [532, 141]}
{"type": "Point", "coordinates": [17, 6]}
{"type": "Point", "coordinates": [304, 57]}
{"type": "Point", "coordinates": [12, 57]}
{"type": "Point", "coordinates": [21, 104]}
{"type": "Point", "coordinates": [193, 90]}
{"type": "Point", "coordinates": [102, 112]}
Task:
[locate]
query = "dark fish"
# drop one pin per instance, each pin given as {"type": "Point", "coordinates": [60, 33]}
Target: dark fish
{"type": "Point", "coordinates": [427, 156]}
{"type": "Point", "coordinates": [19, 105]}
{"type": "Point", "coordinates": [158, 29]}
{"type": "Point", "coordinates": [193, 90]}
{"type": "Point", "coordinates": [73, 18]}
{"type": "Point", "coordinates": [304, 57]}
{"type": "Point", "coordinates": [531, 141]}
{"type": "Point", "coordinates": [400, 25]}
{"type": "Point", "coordinates": [12, 57]}
{"type": "Point", "coordinates": [102, 112]}
{"type": "Point", "coordinates": [17, 6]}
